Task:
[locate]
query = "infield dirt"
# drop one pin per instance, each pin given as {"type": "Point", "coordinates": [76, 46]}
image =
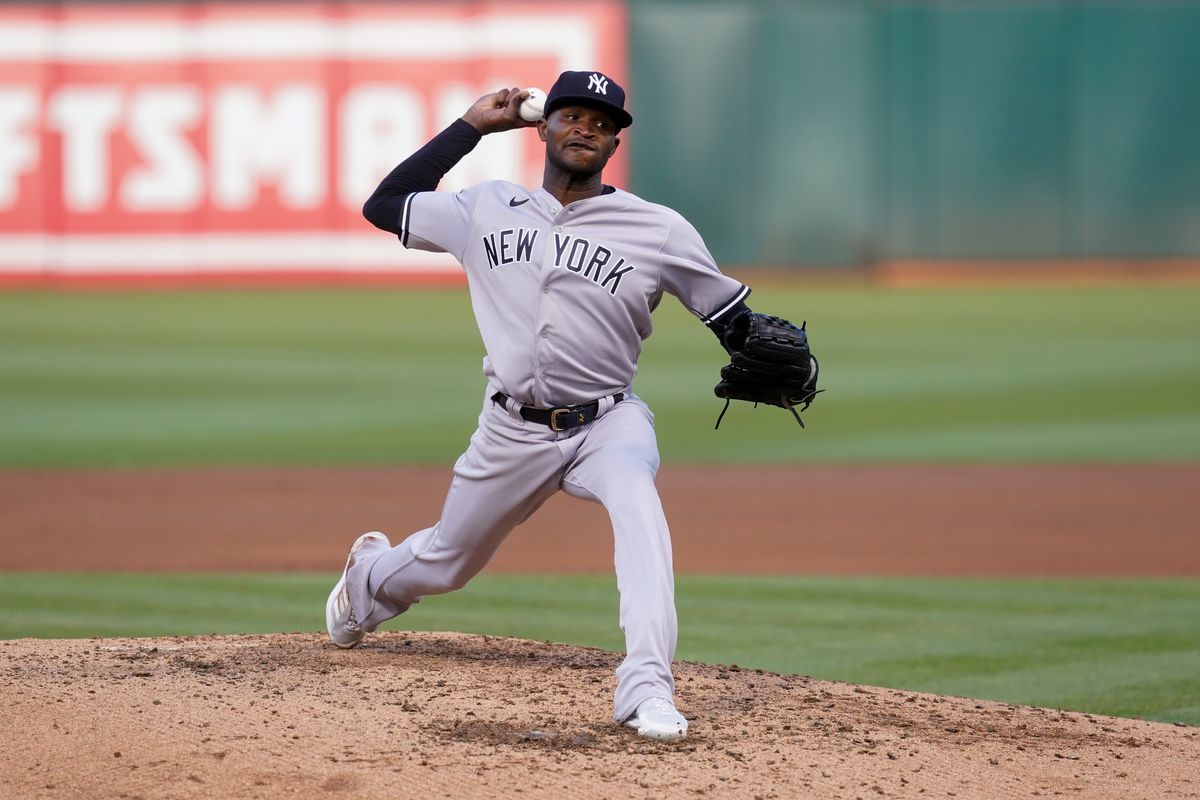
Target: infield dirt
{"type": "Point", "coordinates": [999, 520]}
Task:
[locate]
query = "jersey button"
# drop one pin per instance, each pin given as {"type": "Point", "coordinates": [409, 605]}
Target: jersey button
{"type": "Point", "coordinates": [545, 290]}
{"type": "Point", "coordinates": [559, 229]}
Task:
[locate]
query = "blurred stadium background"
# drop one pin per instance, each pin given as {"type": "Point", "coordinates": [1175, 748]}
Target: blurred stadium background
{"type": "Point", "coordinates": [832, 152]}
{"type": "Point", "coordinates": [207, 138]}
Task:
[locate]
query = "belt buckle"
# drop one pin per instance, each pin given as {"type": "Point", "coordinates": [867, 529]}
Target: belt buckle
{"type": "Point", "coordinates": [580, 418]}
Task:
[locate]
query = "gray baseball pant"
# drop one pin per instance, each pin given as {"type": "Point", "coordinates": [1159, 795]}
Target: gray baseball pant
{"type": "Point", "coordinates": [510, 468]}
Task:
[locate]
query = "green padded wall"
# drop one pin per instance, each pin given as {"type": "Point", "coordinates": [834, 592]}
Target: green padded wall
{"type": "Point", "coordinates": [761, 130]}
{"type": "Point", "coordinates": [995, 126]}
{"type": "Point", "coordinates": [844, 131]}
{"type": "Point", "coordinates": [1136, 108]}
{"type": "Point", "coordinates": [695, 144]}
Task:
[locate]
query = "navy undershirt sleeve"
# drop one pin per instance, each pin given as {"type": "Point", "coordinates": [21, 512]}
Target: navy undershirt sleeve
{"type": "Point", "coordinates": [420, 172]}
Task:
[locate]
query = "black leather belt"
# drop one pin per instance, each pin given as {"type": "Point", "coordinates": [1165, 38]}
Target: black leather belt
{"type": "Point", "coordinates": [559, 419]}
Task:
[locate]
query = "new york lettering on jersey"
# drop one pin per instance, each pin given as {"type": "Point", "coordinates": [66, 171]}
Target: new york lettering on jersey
{"type": "Point", "coordinates": [490, 235]}
{"type": "Point", "coordinates": [590, 260]}
{"type": "Point", "coordinates": [509, 245]}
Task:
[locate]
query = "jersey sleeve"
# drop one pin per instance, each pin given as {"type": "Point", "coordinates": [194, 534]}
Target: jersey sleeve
{"type": "Point", "coordinates": [691, 274]}
{"type": "Point", "coordinates": [438, 221]}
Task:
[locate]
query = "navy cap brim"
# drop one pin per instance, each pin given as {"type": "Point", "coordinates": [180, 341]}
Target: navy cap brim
{"type": "Point", "coordinates": [620, 116]}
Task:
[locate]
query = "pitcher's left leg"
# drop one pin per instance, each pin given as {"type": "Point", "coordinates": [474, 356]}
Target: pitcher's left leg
{"type": "Point", "coordinates": [616, 466]}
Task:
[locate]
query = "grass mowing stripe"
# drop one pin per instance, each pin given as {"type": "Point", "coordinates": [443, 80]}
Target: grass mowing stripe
{"type": "Point", "coordinates": [334, 376]}
{"type": "Point", "coordinates": [1126, 647]}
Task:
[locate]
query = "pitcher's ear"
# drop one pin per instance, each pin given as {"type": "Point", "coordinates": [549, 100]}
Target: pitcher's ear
{"type": "Point", "coordinates": [541, 128]}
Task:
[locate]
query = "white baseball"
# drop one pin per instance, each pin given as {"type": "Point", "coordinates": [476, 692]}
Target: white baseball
{"type": "Point", "coordinates": [532, 107]}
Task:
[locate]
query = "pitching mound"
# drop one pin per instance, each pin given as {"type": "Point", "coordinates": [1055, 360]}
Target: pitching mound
{"type": "Point", "coordinates": [451, 715]}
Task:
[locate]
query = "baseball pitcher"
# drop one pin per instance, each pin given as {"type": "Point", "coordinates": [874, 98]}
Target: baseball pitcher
{"type": "Point", "coordinates": [563, 279]}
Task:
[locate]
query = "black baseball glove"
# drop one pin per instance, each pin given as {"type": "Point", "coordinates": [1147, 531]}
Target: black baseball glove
{"type": "Point", "coordinates": [770, 362]}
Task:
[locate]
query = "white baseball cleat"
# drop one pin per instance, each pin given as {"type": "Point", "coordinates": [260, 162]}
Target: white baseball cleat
{"type": "Point", "coordinates": [658, 719]}
{"type": "Point", "coordinates": [340, 619]}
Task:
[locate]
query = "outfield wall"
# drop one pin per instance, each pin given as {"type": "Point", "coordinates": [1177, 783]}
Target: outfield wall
{"type": "Point", "coordinates": [847, 132]}
{"type": "Point", "coordinates": [238, 138]}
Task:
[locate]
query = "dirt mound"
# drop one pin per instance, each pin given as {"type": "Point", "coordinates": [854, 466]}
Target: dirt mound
{"type": "Point", "coordinates": [451, 715]}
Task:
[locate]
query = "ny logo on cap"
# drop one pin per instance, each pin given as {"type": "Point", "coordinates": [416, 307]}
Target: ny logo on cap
{"type": "Point", "coordinates": [598, 83]}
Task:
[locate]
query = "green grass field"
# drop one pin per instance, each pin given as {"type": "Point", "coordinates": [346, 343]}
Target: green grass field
{"type": "Point", "coordinates": [1127, 647]}
{"type": "Point", "coordinates": [386, 376]}
{"type": "Point", "coordinates": [1081, 374]}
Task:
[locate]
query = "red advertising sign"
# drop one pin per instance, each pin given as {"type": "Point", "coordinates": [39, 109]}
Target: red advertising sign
{"type": "Point", "coordinates": [217, 139]}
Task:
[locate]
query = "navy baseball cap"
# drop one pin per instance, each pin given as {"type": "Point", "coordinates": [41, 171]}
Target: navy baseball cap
{"type": "Point", "coordinates": [589, 88]}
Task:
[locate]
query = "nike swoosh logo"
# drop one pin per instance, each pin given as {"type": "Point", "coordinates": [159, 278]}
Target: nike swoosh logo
{"type": "Point", "coordinates": [515, 202]}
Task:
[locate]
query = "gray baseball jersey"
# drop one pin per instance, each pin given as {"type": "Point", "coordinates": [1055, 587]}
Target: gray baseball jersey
{"type": "Point", "coordinates": [563, 296]}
